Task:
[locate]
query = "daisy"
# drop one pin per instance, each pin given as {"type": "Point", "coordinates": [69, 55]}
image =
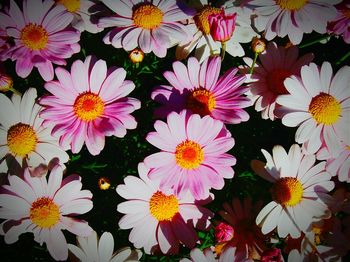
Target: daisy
{"type": "Point", "coordinates": [88, 104]}
{"type": "Point", "coordinates": [22, 134]}
{"type": "Point", "coordinates": [83, 11]}
{"type": "Point", "coordinates": [340, 25]}
{"type": "Point", "coordinates": [101, 250]}
{"type": "Point", "coordinates": [199, 89]}
{"type": "Point", "coordinates": [147, 24]}
{"type": "Point", "coordinates": [198, 255]}
{"type": "Point", "coordinates": [293, 18]}
{"type": "Point", "coordinates": [41, 36]}
{"type": "Point", "coordinates": [193, 154]}
{"type": "Point", "coordinates": [267, 80]}
{"type": "Point", "coordinates": [247, 239]}
{"type": "Point", "coordinates": [298, 191]}
{"type": "Point", "coordinates": [319, 104]}
{"type": "Point", "coordinates": [158, 218]}
{"type": "Point", "coordinates": [44, 208]}
{"type": "Point", "coordinates": [203, 43]}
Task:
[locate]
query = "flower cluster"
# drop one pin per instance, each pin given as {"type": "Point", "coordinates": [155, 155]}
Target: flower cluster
{"type": "Point", "coordinates": [133, 111]}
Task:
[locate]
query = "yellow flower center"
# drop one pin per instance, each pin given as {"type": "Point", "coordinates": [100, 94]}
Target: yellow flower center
{"type": "Point", "coordinates": [147, 16]}
{"type": "Point", "coordinates": [71, 5]}
{"type": "Point", "coordinates": [163, 207]}
{"type": "Point", "coordinates": [201, 18]}
{"type": "Point", "coordinates": [189, 154]}
{"type": "Point", "coordinates": [218, 248]}
{"type": "Point", "coordinates": [325, 109]}
{"type": "Point", "coordinates": [291, 5]}
{"type": "Point", "coordinates": [44, 212]}
{"type": "Point", "coordinates": [275, 79]}
{"type": "Point", "coordinates": [35, 37]}
{"type": "Point", "coordinates": [21, 139]}
{"type": "Point", "coordinates": [88, 106]}
{"type": "Point", "coordinates": [201, 101]}
{"type": "Point", "coordinates": [287, 191]}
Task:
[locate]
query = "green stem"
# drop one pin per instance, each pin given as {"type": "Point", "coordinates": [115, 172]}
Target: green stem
{"type": "Point", "coordinates": [314, 42]}
{"type": "Point", "coordinates": [343, 58]}
{"type": "Point", "coordinates": [223, 50]}
{"type": "Point", "coordinates": [253, 64]}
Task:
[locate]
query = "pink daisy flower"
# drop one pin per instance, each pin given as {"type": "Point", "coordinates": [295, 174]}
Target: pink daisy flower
{"type": "Point", "coordinates": [41, 36]}
{"type": "Point", "coordinates": [199, 89]}
{"type": "Point", "coordinates": [248, 240]}
{"type": "Point", "coordinates": [147, 24]}
{"type": "Point", "coordinates": [158, 218]}
{"type": "Point", "coordinates": [193, 154]}
{"type": "Point", "coordinates": [319, 103]}
{"type": "Point", "coordinates": [33, 204]}
{"type": "Point", "coordinates": [267, 80]}
{"type": "Point", "coordinates": [88, 104]}
{"type": "Point", "coordinates": [293, 18]}
{"type": "Point", "coordinates": [340, 25]}
{"type": "Point", "coordinates": [298, 193]}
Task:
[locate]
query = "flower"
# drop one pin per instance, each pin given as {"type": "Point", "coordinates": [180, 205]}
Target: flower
{"type": "Point", "coordinates": [193, 154]}
{"type": "Point", "coordinates": [340, 25]}
{"type": "Point", "coordinates": [88, 104]}
{"type": "Point", "coordinates": [92, 249]}
{"type": "Point", "coordinates": [247, 240]}
{"type": "Point", "coordinates": [198, 255]}
{"type": "Point", "coordinates": [147, 24]}
{"type": "Point", "coordinates": [258, 45]}
{"type": "Point", "coordinates": [222, 26]}
{"type": "Point", "coordinates": [293, 18]}
{"type": "Point", "coordinates": [318, 103]}
{"type": "Point", "coordinates": [199, 89]}
{"type": "Point", "coordinates": [44, 208]}
{"type": "Point", "coordinates": [136, 55]}
{"type": "Point", "coordinates": [84, 12]}
{"type": "Point", "coordinates": [202, 41]}
{"type": "Point", "coordinates": [22, 134]}
{"type": "Point", "coordinates": [158, 218]}
{"type": "Point", "coordinates": [223, 232]}
{"type": "Point", "coordinates": [298, 191]}
{"type": "Point", "coordinates": [267, 80]}
{"type": "Point", "coordinates": [104, 183]}
{"type": "Point", "coordinates": [272, 255]}
{"type": "Point", "coordinates": [41, 36]}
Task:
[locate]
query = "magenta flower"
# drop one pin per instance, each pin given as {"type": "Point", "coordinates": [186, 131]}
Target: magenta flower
{"type": "Point", "coordinates": [193, 154]}
{"type": "Point", "coordinates": [199, 89]}
{"type": "Point", "coordinates": [340, 25]}
{"type": "Point", "coordinates": [41, 36]}
{"type": "Point", "coordinates": [222, 26]}
{"type": "Point", "coordinates": [88, 104]}
{"type": "Point", "coordinates": [223, 232]}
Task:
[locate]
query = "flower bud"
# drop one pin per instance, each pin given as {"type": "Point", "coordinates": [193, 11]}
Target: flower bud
{"type": "Point", "coordinates": [223, 232]}
{"type": "Point", "coordinates": [258, 45]}
{"type": "Point", "coordinates": [136, 55]}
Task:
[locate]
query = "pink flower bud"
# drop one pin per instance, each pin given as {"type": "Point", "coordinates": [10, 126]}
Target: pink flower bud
{"type": "Point", "coordinates": [272, 255]}
{"type": "Point", "coordinates": [222, 26]}
{"type": "Point", "coordinates": [223, 232]}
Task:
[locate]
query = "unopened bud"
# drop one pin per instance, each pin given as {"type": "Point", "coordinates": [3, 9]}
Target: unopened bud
{"type": "Point", "coordinates": [136, 55]}
{"type": "Point", "coordinates": [258, 45]}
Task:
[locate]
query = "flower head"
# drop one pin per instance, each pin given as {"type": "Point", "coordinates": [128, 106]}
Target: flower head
{"type": "Point", "coordinates": [42, 36]}
{"type": "Point", "coordinates": [93, 249]}
{"type": "Point", "coordinates": [223, 232]}
{"type": "Point", "coordinates": [136, 55]}
{"type": "Point", "coordinates": [298, 191]}
{"type": "Point", "coordinates": [88, 104]}
{"type": "Point", "coordinates": [340, 25]}
{"type": "Point", "coordinates": [222, 26]}
{"type": "Point", "coordinates": [158, 218]}
{"type": "Point", "coordinates": [288, 17]}
{"type": "Point", "coordinates": [44, 208]}
{"type": "Point", "coordinates": [318, 103]}
{"type": "Point", "coordinates": [199, 89]}
{"type": "Point", "coordinates": [151, 25]}
{"type": "Point", "coordinates": [193, 154]}
{"type": "Point", "coordinates": [22, 134]}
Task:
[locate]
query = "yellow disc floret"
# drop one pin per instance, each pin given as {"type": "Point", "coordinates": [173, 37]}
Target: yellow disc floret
{"type": "Point", "coordinates": [34, 36]}
{"type": "Point", "coordinates": [288, 191]}
{"type": "Point", "coordinates": [88, 106]}
{"type": "Point", "coordinates": [44, 212]}
{"type": "Point", "coordinates": [147, 16]}
{"type": "Point", "coordinates": [163, 207]}
{"type": "Point", "coordinates": [325, 109]}
{"type": "Point", "coordinates": [291, 5]}
{"type": "Point", "coordinates": [189, 154]}
{"type": "Point", "coordinates": [21, 139]}
{"type": "Point", "coordinates": [71, 5]}
{"type": "Point", "coordinates": [201, 18]}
